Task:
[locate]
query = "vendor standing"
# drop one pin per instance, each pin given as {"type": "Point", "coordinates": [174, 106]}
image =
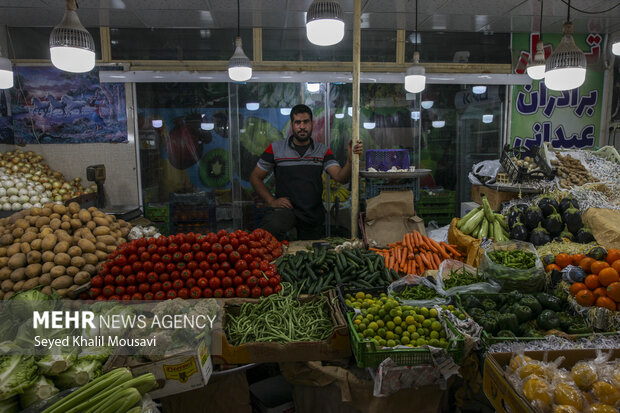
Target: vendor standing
{"type": "Point", "coordinates": [298, 163]}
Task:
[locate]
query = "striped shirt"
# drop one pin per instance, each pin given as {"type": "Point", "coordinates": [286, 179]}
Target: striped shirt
{"type": "Point", "coordinates": [299, 178]}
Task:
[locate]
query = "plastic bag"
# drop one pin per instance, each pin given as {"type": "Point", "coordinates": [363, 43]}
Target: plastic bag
{"type": "Point", "coordinates": [413, 280]}
{"type": "Point", "coordinates": [486, 171]}
{"type": "Point", "coordinates": [528, 280]}
{"type": "Point", "coordinates": [447, 266]}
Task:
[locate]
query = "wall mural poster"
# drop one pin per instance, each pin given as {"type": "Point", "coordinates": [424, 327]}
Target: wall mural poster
{"type": "Point", "coordinates": [568, 119]}
{"type": "Point", "coordinates": [48, 105]}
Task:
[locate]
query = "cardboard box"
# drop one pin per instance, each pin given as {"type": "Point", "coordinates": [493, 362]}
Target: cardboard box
{"type": "Point", "coordinates": [500, 392]}
{"type": "Point", "coordinates": [184, 371]}
{"type": "Point", "coordinates": [335, 347]}
{"type": "Point", "coordinates": [273, 395]}
{"type": "Point", "coordinates": [381, 232]}
{"type": "Point", "coordinates": [495, 198]}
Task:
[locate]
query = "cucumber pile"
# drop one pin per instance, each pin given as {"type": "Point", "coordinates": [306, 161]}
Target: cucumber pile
{"type": "Point", "coordinates": [482, 222]}
{"type": "Point", "coordinates": [324, 269]}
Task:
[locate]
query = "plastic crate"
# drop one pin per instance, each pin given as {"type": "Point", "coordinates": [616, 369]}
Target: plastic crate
{"type": "Point", "coordinates": [435, 209]}
{"type": "Point", "coordinates": [367, 354]}
{"type": "Point", "coordinates": [375, 186]}
{"type": "Point", "coordinates": [385, 159]}
{"type": "Point", "coordinates": [520, 174]}
{"type": "Point", "coordinates": [157, 212]}
{"type": "Point", "coordinates": [440, 219]}
{"type": "Point", "coordinates": [436, 197]}
{"type": "Point", "coordinates": [194, 212]}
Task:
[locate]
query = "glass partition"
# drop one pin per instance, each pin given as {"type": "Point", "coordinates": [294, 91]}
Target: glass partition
{"type": "Point", "coordinates": [207, 137]}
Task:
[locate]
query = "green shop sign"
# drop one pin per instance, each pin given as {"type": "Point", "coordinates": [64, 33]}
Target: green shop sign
{"type": "Point", "coordinates": [568, 119]}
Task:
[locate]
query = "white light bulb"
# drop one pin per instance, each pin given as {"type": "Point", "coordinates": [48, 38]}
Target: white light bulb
{"type": "Point", "coordinates": [157, 123]}
{"type": "Point", "coordinates": [615, 48]}
{"type": "Point", "coordinates": [339, 115]}
{"type": "Point", "coordinates": [325, 32]}
{"type": "Point", "coordinates": [207, 126]}
{"type": "Point", "coordinates": [439, 123]}
{"type": "Point", "coordinates": [427, 104]}
{"type": "Point", "coordinates": [478, 90]}
{"type": "Point", "coordinates": [369, 125]}
{"type": "Point", "coordinates": [415, 115]}
{"type": "Point", "coordinates": [488, 118]}
{"type": "Point", "coordinates": [536, 72]}
{"type": "Point", "coordinates": [350, 111]}
{"type": "Point", "coordinates": [313, 87]}
{"type": "Point", "coordinates": [72, 59]}
{"type": "Point", "coordinates": [565, 78]}
{"type": "Point", "coordinates": [252, 106]}
{"type": "Point", "coordinates": [285, 111]}
{"type": "Point", "coordinates": [239, 73]}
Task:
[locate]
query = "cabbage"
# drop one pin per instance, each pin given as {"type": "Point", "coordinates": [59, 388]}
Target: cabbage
{"type": "Point", "coordinates": [54, 364]}
{"type": "Point", "coordinates": [41, 390]}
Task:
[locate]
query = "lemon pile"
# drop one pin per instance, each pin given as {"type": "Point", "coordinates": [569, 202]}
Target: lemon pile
{"type": "Point", "coordinates": [389, 324]}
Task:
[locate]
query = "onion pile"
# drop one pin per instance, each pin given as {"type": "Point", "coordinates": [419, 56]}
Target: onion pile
{"type": "Point", "coordinates": [26, 182]}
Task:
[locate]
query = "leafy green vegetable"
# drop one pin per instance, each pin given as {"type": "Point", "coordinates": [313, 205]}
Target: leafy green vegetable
{"type": "Point", "coordinates": [79, 374]}
{"type": "Point", "coordinates": [17, 372]}
{"type": "Point", "coordinates": [41, 390]}
{"type": "Point", "coordinates": [53, 364]}
{"type": "Point", "coordinates": [10, 405]}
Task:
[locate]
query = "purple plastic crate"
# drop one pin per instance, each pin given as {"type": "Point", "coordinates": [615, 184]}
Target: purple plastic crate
{"type": "Point", "coordinates": [385, 159]}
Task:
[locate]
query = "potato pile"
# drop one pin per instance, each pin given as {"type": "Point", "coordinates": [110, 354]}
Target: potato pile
{"type": "Point", "coordinates": [57, 246]}
{"type": "Point", "coordinates": [571, 172]}
{"type": "Point", "coordinates": [528, 163]}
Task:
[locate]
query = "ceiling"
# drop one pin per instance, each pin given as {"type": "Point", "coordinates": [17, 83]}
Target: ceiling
{"type": "Point", "coordinates": [487, 16]}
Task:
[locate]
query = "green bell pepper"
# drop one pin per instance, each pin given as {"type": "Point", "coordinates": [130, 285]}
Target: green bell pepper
{"type": "Point", "coordinates": [523, 312]}
{"type": "Point", "coordinates": [549, 301]}
{"type": "Point", "coordinates": [508, 321]}
{"type": "Point", "coordinates": [548, 320]}
{"type": "Point", "coordinates": [532, 303]}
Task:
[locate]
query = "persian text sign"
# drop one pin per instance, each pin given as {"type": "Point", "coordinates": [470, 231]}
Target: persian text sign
{"type": "Point", "coordinates": [567, 119]}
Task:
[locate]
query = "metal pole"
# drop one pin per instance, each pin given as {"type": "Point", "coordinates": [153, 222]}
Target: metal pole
{"type": "Point", "coordinates": [355, 166]}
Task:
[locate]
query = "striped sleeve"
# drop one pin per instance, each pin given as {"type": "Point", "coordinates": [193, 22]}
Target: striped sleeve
{"type": "Point", "coordinates": [266, 161]}
{"type": "Point", "coordinates": [329, 159]}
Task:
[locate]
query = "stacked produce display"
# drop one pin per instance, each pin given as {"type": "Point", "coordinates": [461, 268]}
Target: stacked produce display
{"type": "Point", "coordinates": [25, 182]}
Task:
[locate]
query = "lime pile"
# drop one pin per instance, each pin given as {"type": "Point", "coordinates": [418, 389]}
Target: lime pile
{"type": "Point", "coordinates": [390, 324]}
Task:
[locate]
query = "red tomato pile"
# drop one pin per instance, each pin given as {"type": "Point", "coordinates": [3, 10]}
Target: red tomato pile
{"type": "Point", "coordinates": [221, 265]}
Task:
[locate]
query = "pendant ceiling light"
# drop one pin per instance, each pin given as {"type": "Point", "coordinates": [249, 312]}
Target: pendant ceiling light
{"type": "Point", "coordinates": [615, 46]}
{"type": "Point", "coordinates": [566, 67]}
{"type": "Point", "coordinates": [6, 73]}
{"type": "Point", "coordinates": [536, 65]}
{"type": "Point", "coordinates": [72, 48]}
{"type": "Point", "coordinates": [415, 79]}
{"type": "Point", "coordinates": [239, 66]}
{"type": "Point", "coordinates": [324, 23]}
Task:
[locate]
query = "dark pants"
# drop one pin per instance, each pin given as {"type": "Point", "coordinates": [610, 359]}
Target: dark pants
{"type": "Point", "coordinates": [279, 221]}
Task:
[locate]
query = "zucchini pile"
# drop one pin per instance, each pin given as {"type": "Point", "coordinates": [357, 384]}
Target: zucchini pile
{"type": "Point", "coordinates": [323, 269]}
{"type": "Point", "coordinates": [482, 222]}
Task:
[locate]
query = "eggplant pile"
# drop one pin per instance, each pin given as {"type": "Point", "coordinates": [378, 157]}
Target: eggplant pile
{"type": "Point", "coordinates": [548, 220]}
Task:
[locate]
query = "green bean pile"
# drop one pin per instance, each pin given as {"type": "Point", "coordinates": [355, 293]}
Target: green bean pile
{"type": "Point", "coordinates": [280, 318]}
{"type": "Point", "coordinates": [416, 292]}
{"type": "Point", "coordinates": [514, 259]}
{"type": "Point", "coordinates": [459, 278]}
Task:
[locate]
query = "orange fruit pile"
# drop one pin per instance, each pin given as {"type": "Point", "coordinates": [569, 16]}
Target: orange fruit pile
{"type": "Point", "coordinates": [602, 285]}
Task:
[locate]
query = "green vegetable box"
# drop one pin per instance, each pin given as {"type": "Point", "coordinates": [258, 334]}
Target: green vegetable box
{"type": "Point", "coordinates": [183, 371]}
{"type": "Point", "coordinates": [335, 346]}
{"type": "Point", "coordinates": [523, 317]}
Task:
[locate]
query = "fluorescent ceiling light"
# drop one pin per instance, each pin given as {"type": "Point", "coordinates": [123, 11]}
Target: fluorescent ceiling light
{"type": "Point", "coordinates": [252, 106]}
{"type": "Point", "coordinates": [479, 90]}
{"type": "Point", "coordinates": [157, 123]}
{"type": "Point", "coordinates": [427, 104]}
{"type": "Point", "coordinates": [313, 87]}
{"type": "Point", "coordinates": [488, 118]}
{"type": "Point", "coordinates": [439, 123]}
{"type": "Point", "coordinates": [415, 115]}
{"type": "Point", "coordinates": [285, 111]}
{"type": "Point", "coordinates": [369, 125]}
{"type": "Point", "coordinates": [72, 48]}
{"type": "Point", "coordinates": [6, 73]}
{"type": "Point", "coordinates": [566, 67]}
{"type": "Point", "coordinates": [324, 23]}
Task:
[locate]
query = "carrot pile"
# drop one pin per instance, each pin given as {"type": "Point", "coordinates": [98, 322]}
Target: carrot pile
{"type": "Point", "coordinates": [417, 253]}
